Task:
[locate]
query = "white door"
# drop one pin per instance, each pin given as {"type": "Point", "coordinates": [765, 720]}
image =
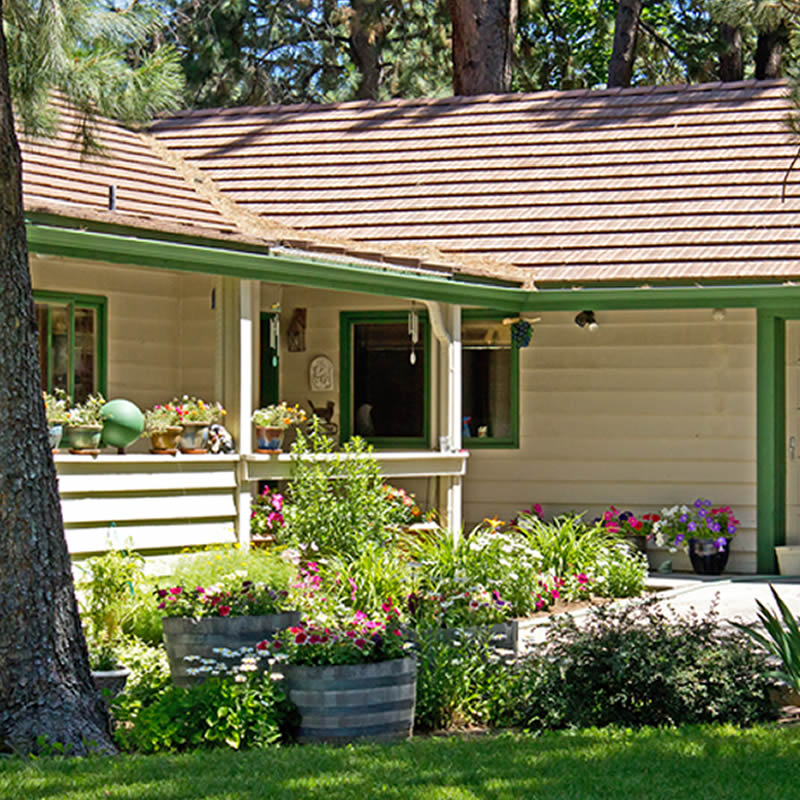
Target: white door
{"type": "Point", "coordinates": [793, 432]}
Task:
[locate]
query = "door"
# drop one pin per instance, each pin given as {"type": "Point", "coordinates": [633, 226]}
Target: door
{"type": "Point", "coordinates": [268, 386]}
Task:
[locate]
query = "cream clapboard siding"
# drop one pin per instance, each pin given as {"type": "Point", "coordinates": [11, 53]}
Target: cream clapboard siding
{"type": "Point", "coordinates": [161, 329]}
{"type": "Point", "coordinates": [653, 408]}
{"type": "Point", "coordinates": [161, 343]}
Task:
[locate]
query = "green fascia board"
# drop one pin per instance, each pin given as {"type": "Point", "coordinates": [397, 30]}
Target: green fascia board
{"type": "Point", "coordinates": [261, 266]}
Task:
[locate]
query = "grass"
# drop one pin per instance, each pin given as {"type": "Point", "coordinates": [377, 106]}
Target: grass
{"type": "Point", "coordinates": [712, 763]}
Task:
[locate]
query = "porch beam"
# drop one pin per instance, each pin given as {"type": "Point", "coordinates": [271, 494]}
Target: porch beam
{"type": "Point", "coordinates": [770, 437]}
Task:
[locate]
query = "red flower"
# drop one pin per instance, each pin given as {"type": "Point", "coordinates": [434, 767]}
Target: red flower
{"type": "Point", "coordinates": [224, 611]}
{"type": "Point", "coordinates": [300, 638]}
{"type": "Point", "coordinates": [264, 645]}
{"type": "Point", "coordinates": [360, 643]}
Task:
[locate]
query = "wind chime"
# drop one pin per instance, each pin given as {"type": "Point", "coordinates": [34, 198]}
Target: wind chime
{"type": "Point", "coordinates": [413, 333]}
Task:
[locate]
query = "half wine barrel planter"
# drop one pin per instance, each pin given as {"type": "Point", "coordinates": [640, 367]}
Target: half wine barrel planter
{"type": "Point", "coordinates": [184, 636]}
{"type": "Point", "coordinates": [348, 702]}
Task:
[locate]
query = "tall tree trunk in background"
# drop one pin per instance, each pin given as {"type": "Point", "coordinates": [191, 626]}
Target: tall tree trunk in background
{"type": "Point", "coordinates": [367, 33]}
{"type": "Point", "coordinates": [45, 686]}
{"type": "Point", "coordinates": [483, 42]}
{"type": "Point", "coordinates": [626, 27]}
{"type": "Point", "coordinates": [769, 52]}
{"type": "Point", "coordinates": [731, 60]}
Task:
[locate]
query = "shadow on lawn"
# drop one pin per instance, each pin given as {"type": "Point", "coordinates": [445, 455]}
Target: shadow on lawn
{"type": "Point", "coordinates": [697, 764]}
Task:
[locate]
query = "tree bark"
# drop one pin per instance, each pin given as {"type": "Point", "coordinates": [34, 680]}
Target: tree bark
{"type": "Point", "coordinates": [366, 43]}
{"type": "Point", "coordinates": [483, 45]}
{"type": "Point", "coordinates": [46, 690]}
{"type": "Point", "coordinates": [769, 52]}
{"type": "Point", "coordinates": [626, 28]}
{"type": "Point", "coordinates": [731, 61]}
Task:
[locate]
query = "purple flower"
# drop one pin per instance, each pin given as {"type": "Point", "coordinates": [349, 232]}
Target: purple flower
{"type": "Point", "coordinates": [731, 529]}
{"type": "Point", "coordinates": [721, 542]}
{"type": "Point", "coordinates": [707, 503]}
{"type": "Point", "coordinates": [698, 503]}
{"type": "Point", "coordinates": [679, 538]}
{"type": "Point", "coordinates": [701, 512]}
{"type": "Point", "coordinates": [691, 527]}
{"type": "Point", "coordinates": [683, 518]}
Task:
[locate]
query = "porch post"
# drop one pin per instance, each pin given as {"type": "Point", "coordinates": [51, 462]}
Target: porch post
{"type": "Point", "coordinates": [770, 439]}
{"type": "Point", "coordinates": [248, 329]}
{"type": "Point", "coordinates": [453, 425]}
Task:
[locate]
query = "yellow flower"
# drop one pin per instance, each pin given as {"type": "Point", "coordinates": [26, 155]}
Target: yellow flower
{"type": "Point", "coordinates": [494, 523]}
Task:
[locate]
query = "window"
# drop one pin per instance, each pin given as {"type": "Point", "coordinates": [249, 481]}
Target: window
{"type": "Point", "coordinates": [71, 342]}
{"type": "Point", "coordinates": [385, 397]}
{"type": "Point", "coordinates": [490, 382]}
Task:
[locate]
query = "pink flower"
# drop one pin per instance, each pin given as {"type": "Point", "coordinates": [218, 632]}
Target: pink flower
{"type": "Point", "coordinates": [555, 594]}
{"type": "Point", "coordinates": [582, 578]}
{"type": "Point", "coordinates": [537, 509]}
{"type": "Point", "coordinates": [176, 590]}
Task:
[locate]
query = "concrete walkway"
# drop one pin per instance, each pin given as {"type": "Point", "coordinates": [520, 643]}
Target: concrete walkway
{"type": "Point", "coordinates": [681, 592]}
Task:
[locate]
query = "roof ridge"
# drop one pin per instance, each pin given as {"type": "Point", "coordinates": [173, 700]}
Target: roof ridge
{"type": "Point", "coordinates": [461, 100]}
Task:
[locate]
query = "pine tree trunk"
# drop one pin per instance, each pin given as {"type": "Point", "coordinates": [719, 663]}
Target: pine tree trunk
{"type": "Point", "coordinates": [45, 685]}
{"type": "Point", "coordinates": [366, 42]}
{"type": "Point", "coordinates": [483, 45]}
{"type": "Point", "coordinates": [731, 61]}
{"type": "Point", "coordinates": [769, 52]}
{"type": "Point", "coordinates": [626, 27]}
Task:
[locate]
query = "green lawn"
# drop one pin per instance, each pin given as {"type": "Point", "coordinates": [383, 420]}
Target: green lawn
{"type": "Point", "coordinates": [693, 763]}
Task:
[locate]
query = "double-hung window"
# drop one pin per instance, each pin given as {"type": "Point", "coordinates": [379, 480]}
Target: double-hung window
{"type": "Point", "coordinates": [72, 342]}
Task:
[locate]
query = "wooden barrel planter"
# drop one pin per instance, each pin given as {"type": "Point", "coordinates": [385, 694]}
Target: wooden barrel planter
{"type": "Point", "coordinates": [184, 636]}
{"type": "Point", "coordinates": [500, 636]}
{"type": "Point", "coordinates": [349, 702]}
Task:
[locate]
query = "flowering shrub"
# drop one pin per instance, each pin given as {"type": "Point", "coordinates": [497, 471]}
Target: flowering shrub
{"type": "Point", "coordinates": [466, 608]}
{"type": "Point", "coordinates": [160, 419]}
{"type": "Point", "coordinates": [192, 409]}
{"type": "Point", "coordinates": [266, 513]}
{"type": "Point", "coordinates": [402, 506]}
{"type": "Point", "coordinates": [700, 520]}
{"type": "Point", "coordinates": [626, 523]}
{"type": "Point", "coordinates": [56, 406]}
{"type": "Point", "coordinates": [231, 598]}
{"type": "Point", "coordinates": [278, 416]}
{"type": "Point", "coordinates": [359, 640]}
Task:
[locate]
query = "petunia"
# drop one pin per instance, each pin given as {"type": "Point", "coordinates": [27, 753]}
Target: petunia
{"type": "Point", "coordinates": [224, 611]}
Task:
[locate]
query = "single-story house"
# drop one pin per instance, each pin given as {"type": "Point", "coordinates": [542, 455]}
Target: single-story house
{"type": "Point", "coordinates": [167, 267]}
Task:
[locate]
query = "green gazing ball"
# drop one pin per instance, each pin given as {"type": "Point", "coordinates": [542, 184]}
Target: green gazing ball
{"type": "Point", "coordinates": [123, 423]}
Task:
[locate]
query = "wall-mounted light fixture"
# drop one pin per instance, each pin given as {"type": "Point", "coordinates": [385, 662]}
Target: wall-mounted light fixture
{"type": "Point", "coordinates": [586, 319]}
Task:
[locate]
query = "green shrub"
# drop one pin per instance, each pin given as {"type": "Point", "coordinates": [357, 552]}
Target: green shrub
{"type": "Point", "coordinates": [218, 712]}
{"type": "Point", "coordinates": [335, 501]}
{"type": "Point", "coordinates": [619, 572]}
{"type": "Point", "coordinates": [641, 665]}
{"type": "Point", "coordinates": [460, 682]}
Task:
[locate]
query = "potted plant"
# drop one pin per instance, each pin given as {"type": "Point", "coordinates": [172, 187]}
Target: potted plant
{"type": "Point", "coordinates": [635, 530]}
{"type": "Point", "coordinates": [216, 621]}
{"type": "Point", "coordinates": [107, 595]}
{"type": "Point", "coordinates": [703, 530]}
{"type": "Point", "coordinates": [56, 406]}
{"type": "Point", "coordinates": [163, 425]}
{"type": "Point", "coordinates": [84, 425]}
{"type": "Point", "coordinates": [271, 423]}
{"type": "Point", "coordinates": [350, 680]}
{"type": "Point", "coordinates": [195, 417]}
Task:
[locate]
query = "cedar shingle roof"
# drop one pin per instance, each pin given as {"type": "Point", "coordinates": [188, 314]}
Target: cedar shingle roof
{"type": "Point", "coordinates": [644, 184]}
{"type": "Point", "coordinates": [157, 191]}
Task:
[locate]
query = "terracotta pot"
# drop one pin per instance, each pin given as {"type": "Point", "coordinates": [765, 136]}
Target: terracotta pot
{"type": "Point", "coordinates": [166, 442]}
{"type": "Point", "coordinates": [269, 439]}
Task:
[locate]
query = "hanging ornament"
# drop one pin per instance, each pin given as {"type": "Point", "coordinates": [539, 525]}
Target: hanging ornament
{"type": "Point", "coordinates": [413, 332]}
{"type": "Point", "coordinates": [274, 337]}
{"type": "Point", "coordinates": [521, 333]}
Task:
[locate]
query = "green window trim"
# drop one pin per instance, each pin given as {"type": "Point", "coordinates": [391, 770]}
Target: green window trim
{"type": "Point", "coordinates": [72, 301]}
{"type": "Point", "coordinates": [347, 322]}
{"type": "Point", "coordinates": [507, 442]}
